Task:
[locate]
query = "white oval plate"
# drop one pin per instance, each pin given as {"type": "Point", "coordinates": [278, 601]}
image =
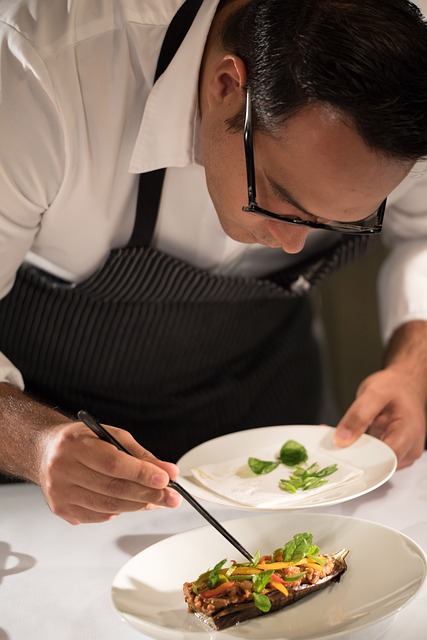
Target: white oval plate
{"type": "Point", "coordinates": [385, 571]}
{"type": "Point", "coordinates": [376, 460]}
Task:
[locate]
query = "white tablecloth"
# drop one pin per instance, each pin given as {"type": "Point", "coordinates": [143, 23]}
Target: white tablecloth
{"type": "Point", "coordinates": [55, 579]}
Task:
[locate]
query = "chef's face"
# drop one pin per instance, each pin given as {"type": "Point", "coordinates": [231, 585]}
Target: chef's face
{"type": "Point", "coordinates": [316, 167]}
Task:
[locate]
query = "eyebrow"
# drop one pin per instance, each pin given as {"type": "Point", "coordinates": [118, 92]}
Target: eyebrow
{"type": "Point", "coordinates": [289, 199]}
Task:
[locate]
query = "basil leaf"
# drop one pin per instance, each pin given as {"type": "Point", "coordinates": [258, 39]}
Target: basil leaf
{"type": "Point", "coordinates": [261, 580]}
{"type": "Point", "coordinates": [303, 543]}
{"type": "Point", "coordinates": [261, 467]}
{"type": "Point", "coordinates": [293, 453]}
{"type": "Point", "coordinates": [296, 549]}
{"type": "Point", "coordinates": [289, 550]}
{"type": "Point", "coordinates": [262, 602]}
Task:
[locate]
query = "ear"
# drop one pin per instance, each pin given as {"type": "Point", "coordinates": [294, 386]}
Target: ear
{"type": "Point", "coordinates": [226, 81]}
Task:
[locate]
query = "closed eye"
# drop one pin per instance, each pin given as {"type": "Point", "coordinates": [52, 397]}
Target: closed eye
{"type": "Point", "coordinates": [283, 195]}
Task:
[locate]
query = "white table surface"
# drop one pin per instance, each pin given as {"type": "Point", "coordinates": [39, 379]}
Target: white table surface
{"type": "Point", "coordinates": [55, 579]}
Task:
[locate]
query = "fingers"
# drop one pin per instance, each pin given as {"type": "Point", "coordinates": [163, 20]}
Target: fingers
{"type": "Point", "coordinates": [83, 487]}
{"type": "Point", "coordinates": [78, 504]}
{"type": "Point", "coordinates": [138, 451]}
{"type": "Point", "coordinates": [85, 479]}
{"type": "Point", "coordinates": [406, 441]}
{"type": "Point", "coordinates": [357, 420]}
{"type": "Point", "coordinates": [387, 408]}
{"type": "Point", "coordinates": [105, 459]}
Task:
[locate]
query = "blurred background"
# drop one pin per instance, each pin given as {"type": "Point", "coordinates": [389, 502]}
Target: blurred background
{"type": "Point", "coordinates": [348, 305]}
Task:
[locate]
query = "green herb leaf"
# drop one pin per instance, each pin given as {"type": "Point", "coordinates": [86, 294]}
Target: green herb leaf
{"type": "Point", "coordinates": [295, 549]}
{"type": "Point", "coordinates": [298, 472]}
{"type": "Point", "coordinates": [262, 602]}
{"type": "Point", "coordinates": [293, 453]}
{"type": "Point", "coordinates": [229, 572]}
{"type": "Point", "coordinates": [261, 580]}
{"type": "Point", "coordinates": [301, 547]}
{"type": "Point", "coordinates": [313, 483]}
{"type": "Point", "coordinates": [213, 578]}
{"type": "Point", "coordinates": [306, 478]}
{"type": "Point", "coordinates": [327, 471]}
{"type": "Point", "coordinates": [312, 470]}
{"type": "Point", "coordinates": [277, 554]}
{"type": "Point", "coordinates": [261, 467]}
{"type": "Point", "coordinates": [287, 485]}
{"type": "Point", "coordinates": [316, 558]}
{"type": "Point", "coordinates": [303, 476]}
{"type": "Point", "coordinates": [200, 580]}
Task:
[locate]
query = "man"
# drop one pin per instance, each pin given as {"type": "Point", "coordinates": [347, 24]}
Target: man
{"type": "Point", "coordinates": [178, 324]}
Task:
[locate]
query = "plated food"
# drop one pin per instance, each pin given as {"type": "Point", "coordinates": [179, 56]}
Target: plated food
{"type": "Point", "coordinates": [305, 475]}
{"type": "Point", "coordinates": [386, 570]}
{"type": "Point", "coordinates": [209, 476]}
{"type": "Point", "coordinates": [227, 595]}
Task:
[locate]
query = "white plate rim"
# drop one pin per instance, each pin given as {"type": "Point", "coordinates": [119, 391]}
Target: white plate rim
{"type": "Point", "coordinates": [161, 633]}
{"type": "Point", "coordinates": [210, 451]}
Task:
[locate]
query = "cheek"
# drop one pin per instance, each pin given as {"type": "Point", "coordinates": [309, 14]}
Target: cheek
{"type": "Point", "coordinates": [223, 157]}
{"type": "Point", "coordinates": [227, 189]}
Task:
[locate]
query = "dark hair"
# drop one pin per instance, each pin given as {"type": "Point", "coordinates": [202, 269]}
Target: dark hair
{"type": "Point", "coordinates": [365, 58]}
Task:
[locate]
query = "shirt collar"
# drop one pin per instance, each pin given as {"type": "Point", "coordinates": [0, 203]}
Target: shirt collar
{"type": "Point", "coordinates": [168, 135]}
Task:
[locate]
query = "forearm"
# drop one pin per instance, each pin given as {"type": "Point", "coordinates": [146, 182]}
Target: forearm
{"type": "Point", "coordinates": [24, 423]}
{"type": "Point", "coordinates": [407, 354]}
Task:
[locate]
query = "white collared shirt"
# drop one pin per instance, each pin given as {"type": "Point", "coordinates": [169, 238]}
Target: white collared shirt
{"type": "Point", "coordinates": [79, 119]}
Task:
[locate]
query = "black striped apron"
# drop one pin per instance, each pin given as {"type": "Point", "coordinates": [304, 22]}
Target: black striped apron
{"type": "Point", "coordinates": [168, 351]}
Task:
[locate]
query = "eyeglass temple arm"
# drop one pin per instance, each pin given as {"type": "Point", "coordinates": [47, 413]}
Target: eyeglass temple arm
{"type": "Point", "coordinates": [249, 150]}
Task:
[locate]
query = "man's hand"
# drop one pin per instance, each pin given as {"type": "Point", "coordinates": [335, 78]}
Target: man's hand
{"type": "Point", "coordinates": [390, 404]}
{"type": "Point", "coordinates": [85, 479]}
{"type": "Point", "coordinates": [387, 407]}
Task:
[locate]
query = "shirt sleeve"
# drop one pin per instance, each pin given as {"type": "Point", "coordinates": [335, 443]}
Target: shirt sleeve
{"type": "Point", "coordinates": [402, 284]}
{"type": "Point", "coordinates": [9, 373]}
{"type": "Point", "coordinates": [31, 157]}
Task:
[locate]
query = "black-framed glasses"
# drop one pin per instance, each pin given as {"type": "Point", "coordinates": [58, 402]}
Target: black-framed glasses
{"type": "Point", "coordinates": [369, 225]}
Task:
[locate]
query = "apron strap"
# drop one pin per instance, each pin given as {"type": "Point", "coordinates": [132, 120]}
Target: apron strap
{"type": "Point", "coordinates": [151, 183]}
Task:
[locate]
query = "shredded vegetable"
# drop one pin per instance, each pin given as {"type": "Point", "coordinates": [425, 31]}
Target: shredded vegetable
{"type": "Point", "coordinates": [286, 565]}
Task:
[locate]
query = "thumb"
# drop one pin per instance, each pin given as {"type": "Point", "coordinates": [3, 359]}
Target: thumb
{"type": "Point", "coordinates": [345, 435]}
{"type": "Point", "coordinates": [355, 422]}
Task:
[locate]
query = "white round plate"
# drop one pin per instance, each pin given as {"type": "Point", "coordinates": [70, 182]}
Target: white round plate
{"type": "Point", "coordinates": [385, 571]}
{"type": "Point", "coordinates": [376, 460]}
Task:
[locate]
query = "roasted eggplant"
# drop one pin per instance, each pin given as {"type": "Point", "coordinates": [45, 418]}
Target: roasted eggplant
{"type": "Point", "coordinates": [225, 596]}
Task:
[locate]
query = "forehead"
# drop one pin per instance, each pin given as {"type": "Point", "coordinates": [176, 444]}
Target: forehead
{"type": "Point", "coordinates": [320, 130]}
{"type": "Point", "coordinates": [319, 152]}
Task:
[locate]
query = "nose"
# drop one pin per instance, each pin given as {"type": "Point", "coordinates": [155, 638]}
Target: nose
{"type": "Point", "coordinates": [290, 237]}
